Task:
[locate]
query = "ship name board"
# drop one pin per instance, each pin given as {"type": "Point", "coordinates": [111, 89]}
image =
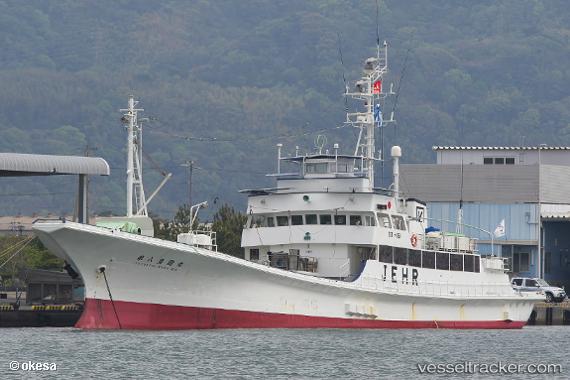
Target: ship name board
{"type": "Point", "coordinates": [159, 263]}
{"type": "Point", "coordinates": [404, 275]}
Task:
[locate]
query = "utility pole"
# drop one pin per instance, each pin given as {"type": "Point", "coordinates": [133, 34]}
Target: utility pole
{"type": "Point", "coordinates": [190, 165]}
{"type": "Point", "coordinates": [82, 204]}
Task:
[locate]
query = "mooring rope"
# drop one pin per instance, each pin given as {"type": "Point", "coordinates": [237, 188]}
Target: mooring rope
{"type": "Point", "coordinates": [102, 270]}
{"type": "Point", "coordinates": [15, 253]}
{"type": "Point", "coordinates": [20, 242]}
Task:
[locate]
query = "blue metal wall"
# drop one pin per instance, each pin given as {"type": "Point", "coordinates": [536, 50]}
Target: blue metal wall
{"type": "Point", "coordinates": [520, 226]}
{"type": "Point", "coordinates": [520, 218]}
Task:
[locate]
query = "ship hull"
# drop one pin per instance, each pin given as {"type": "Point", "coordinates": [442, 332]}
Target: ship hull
{"type": "Point", "coordinates": [100, 314]}
{"type": "Point", "coordinates": [136, 282]}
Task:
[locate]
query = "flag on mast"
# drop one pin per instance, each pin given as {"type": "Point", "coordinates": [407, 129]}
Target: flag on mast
{"type": "Point", "coordinates": [377, 87]}
{"type": "Point", "coordinates": [378, 114]}
{"type": "Point", "coordinates": [500, 230]}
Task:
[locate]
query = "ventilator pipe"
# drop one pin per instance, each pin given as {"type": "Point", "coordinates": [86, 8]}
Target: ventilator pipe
{"type": "Point", "coordinates": [279, 146]}
{"type": "Point", "coordinates": [396, 153]}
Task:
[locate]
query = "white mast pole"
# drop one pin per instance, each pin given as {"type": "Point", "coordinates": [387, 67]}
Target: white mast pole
{"type": "Point", "coordinates": [130, 154]}
{"type": "Point", "coordinates": [370, 145]}
{"type": "Point", "coordinates": [131, 115]}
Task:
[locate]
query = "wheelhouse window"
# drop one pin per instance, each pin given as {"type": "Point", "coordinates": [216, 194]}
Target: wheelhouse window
{"type": "Point", "coordinates": [340, 220]}
{"type": "Point", "coordinates": [399, 222]}
{"type": "Point", "coordinates": [468, 263]}
{"type": "Point", "coordinates": [517, 281]}
{"type": "Point", "coordinates": [400, 256]}
{"type": "Point", "coordinates": [369, 220]}
{"type": "Point", "coordinates": [442, 260]}
{"type": "Point", "coordinates": [385, 254]}
{"type": "Point", "coordinates": [456, 262]}
{"type": "Point", "coordinates": [355, 220]}
{"type": "Point", "coordinates": [296, 220]}
{"type": "Point", "coordinates": [428, 259]}
{"type": "Point", "coordinates": [477, 264]}
{"type": "Point", "coordinates": [325, 219]}
{"type": "Point", "coordinates": [282, 221]}
{"type": "Point", "coordinates": [499, 160]}
{"type": "Point", "coordinates": [384, 220]}
{"type": "Point", "coordinates": [311, 219]}
{"type": "Point", "coordinates": [270, 221]}
{"type": "Point", "coordinates": [342, 168]}
{"type": "Point", "coordinates": [415, 258]}
{"type": "Point", "coordinates": [317, 168]}
{"type": "Point", "coordinates": [260, 221]}
{"type": "Point", "coordinates": [510, 160]}
{"type": "Point", "coordinates": [488, 161]}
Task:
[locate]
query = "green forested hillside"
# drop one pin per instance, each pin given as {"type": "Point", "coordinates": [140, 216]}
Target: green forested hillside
{"type": "Point", "coordinates": [244, 72]}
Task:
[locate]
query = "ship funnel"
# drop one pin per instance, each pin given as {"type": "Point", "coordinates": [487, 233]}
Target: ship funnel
{"type": "Point", "coordinates": [396, 153]}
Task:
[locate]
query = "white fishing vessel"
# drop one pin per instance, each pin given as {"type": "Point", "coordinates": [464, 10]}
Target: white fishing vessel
{"type": "Point", "coordinates": [323, 248]}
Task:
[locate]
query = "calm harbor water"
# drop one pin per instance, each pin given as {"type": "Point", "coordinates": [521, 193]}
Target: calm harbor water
{"type": "Point", "coordinates": [275, 354]}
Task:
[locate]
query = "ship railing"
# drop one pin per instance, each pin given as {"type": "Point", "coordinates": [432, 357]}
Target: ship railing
{"type": "Point", "coordinates": [344, 269]}
{"type": "Point", "coordinates": [507, 264]}
{"type": "Point", "coordinates": [435, 288]}
{"type": "Point", "coordinates": [444, 245]}
{"type": "Point", "coordinates": [205, 239]}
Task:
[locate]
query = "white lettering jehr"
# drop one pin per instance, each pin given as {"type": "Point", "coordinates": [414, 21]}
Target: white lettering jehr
{"type": "Point", "coordinates": [402, 276]}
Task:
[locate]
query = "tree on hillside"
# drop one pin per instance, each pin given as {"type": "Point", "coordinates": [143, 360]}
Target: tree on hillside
{"type": "Point", "coordinates": [228, 224]}
{"type": "Point", "coordinates": [170, 229]}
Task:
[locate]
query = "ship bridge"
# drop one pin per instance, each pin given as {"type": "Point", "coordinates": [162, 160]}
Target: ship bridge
{"type": "Point", "coordinates": [322, 172]}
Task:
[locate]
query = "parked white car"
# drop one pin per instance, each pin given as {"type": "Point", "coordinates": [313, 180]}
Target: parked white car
{"type": "Point", "coordinates": [551, 293]}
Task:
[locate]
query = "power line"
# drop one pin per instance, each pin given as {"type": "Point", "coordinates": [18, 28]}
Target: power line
{"type": "Point", "coordinates": [245, 138]}
{"type": "Point", "coordinates": [343, 76]}
{"type": "Point", "coordinates": [36, 194]}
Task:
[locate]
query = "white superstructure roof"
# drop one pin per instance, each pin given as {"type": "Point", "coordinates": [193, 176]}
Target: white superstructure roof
{"type": "Point", "coordinates": [437, 148]}
{"type": "Point", "coordinates": [18, 164]}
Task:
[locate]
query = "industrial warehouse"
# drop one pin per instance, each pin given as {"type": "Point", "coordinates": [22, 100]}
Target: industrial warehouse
{"type": "Point", "coordinates": [525, 191]}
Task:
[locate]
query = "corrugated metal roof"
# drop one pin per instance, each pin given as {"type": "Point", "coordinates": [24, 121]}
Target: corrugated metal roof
{"type": "Point", "coordinates": [14, 164]}
{"type": "Point", "coordinates": [555, 215]}
{"type": "Point", "coordinates": [501, 148]}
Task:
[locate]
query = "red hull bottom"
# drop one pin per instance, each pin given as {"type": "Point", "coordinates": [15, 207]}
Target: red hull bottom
{"type": "Point", "coordinates": [99, 314]}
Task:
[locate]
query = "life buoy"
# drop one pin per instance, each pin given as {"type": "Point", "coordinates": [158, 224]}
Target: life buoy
{"type": "Point", "coordinates": [414, 240]}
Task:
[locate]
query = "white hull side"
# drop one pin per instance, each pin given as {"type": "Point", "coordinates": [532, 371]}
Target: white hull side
{"type": "Point", "coordinates": [206, 279]}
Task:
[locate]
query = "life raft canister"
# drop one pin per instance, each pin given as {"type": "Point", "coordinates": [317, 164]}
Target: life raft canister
{"type": "Point", "coordinates": [414, 240]}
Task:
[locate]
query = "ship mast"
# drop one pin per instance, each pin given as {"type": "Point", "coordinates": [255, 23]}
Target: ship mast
{"type": "Point", "coordinates": [135, 189]}
{"type": "Point", "coordinates": [369, 90]}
